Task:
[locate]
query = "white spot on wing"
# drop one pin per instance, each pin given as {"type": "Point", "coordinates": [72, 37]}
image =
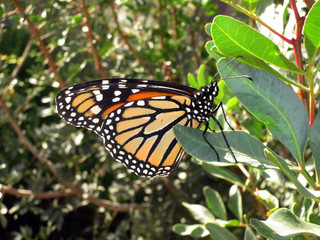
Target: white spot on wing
{"type": "Point", "coordinates": [117, 93]}
{"type": "Point", "coordinates": [96, 109]}
{"type": "Point", "coordinates": [68, 99]}
{"type": "Point", "coordinates": [116, 99]}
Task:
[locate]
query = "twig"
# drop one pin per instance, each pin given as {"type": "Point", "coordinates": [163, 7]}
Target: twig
{"type": "Point", "coordinates": [125, 39]}
{"type": "Point", "coordinates": [25, 141]}
{"type": "Point", "coordinates": [91, 39]}
{"type": "Point", "coordinates": [116, 206]}
{"type": "Point", "coordinates": [42, 45]}
{"type": "Point", "coordinates": [19, 65]}
{"type": "Point", "coordinates": [23, 193]}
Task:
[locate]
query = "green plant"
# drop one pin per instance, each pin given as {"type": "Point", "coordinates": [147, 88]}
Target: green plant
{"type": "Point", "coordinates": [288, 113]}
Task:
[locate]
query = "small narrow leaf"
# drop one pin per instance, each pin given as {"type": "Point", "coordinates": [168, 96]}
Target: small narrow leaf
{"type": "Point", "coordinates": [249, 234]}
{"type": "Point", "coordinates": [267, 199]}
{"type": "Point", "coordinates": [311, 32]}
{"type": "Point", "coordinates": [213, 51]}
{"type": "Point", "coordinates": [235, 202]}
{"type": "Point", "coordinates": [283, 224]}
{"type": "Point", "coordinates": [217, 232]}
{"type": "Point", "coordinates": [196, 230]}
{"type": "Point", "coordinates": [207, 28]}
{"type": "Point", "coordinates": [201, 78]}
{"type": "Point", "coordinates": [285, 169]}
{"type": "Point", "coordinates": [192, 81]}
{"type": "Point", "coordinates": [250, 5]}
{"type": "Point", "coordinates": [199, 212]}
{"type": "Point", "coordinates": [215, 203]}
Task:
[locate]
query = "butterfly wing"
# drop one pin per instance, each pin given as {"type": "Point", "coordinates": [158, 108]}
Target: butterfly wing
{"type": "Point", "coordinates": [135, 119]}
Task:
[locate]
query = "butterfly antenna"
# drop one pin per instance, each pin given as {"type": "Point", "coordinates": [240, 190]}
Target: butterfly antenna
{"type": "Point", "coordinates": [233, 59]}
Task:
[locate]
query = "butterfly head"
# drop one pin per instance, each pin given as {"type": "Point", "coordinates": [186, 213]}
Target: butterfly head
{"type": "Point", "coordinates": [203, 102]}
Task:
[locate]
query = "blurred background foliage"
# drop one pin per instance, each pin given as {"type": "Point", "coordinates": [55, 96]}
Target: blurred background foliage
{"type": "Point", "coordinates": [58, 181]}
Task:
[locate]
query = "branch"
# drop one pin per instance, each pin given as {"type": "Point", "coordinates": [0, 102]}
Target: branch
{"type": "Point", "coordinates": [42, 45]}
{"type": "Point", "coordinates": [91, 39]}
{"type": "Point", "coordinates": [23, 193]}
{"type": "Point", "coordinates": [25, 141]}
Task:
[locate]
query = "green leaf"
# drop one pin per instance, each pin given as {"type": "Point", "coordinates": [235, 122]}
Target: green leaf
{"type": "Point", "coordinates": [272, 102]}
{"type": "Point", "coordinates": [311, 32]}
{"type": "Point", "coordinates": [235, 202]}
{"type": "Point", "coordinates": [267, 199]}
{"type": "Point", "coordinates": [199, 212]}
{"type": "Point", "coordinates": [196, 230]}
{"type": "Point", "coordinates": [217, 232]}
{"type": "Point", "coordinates": [315, 143]}
{"type": "Point", "coordinates": [223, 173]}
{"type": "Point", "coordinates": [192, 81]}
{"type": "Point", "coordinates": [283, 224]}
{"type": "Point", "coordinates": [247, 149]}
{"type": "Point", "coordinates": [215, 203]}
{"type": "Point", "coordinates": [234, 38]}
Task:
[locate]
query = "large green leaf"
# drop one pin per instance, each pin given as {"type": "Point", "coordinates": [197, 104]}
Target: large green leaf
{"type": "Point", "coordinates": [315, 142]}
{"type": "Point", "coordinates": [247, 149]}
{"type": "Point", "coordinates": [311, 31]}
{"type": "Point", "coordinates": [234, 38]}
{"type": "Point", "coordinates": [283, 224]}
{"type": "Point", "coordinates": [217, 232]}
{"type": "Point", "coordinates": [272, 102]}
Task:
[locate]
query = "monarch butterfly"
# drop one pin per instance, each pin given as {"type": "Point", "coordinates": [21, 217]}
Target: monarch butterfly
{"type": "Point", "coordinates": [136, 117]}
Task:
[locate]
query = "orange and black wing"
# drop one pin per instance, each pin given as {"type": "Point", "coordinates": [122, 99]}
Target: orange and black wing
{"type": "Point", "coordinates": [135, 119]}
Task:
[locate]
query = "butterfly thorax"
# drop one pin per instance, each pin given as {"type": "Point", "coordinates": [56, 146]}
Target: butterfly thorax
{"type": "Point", "coordinates": [202, 104]}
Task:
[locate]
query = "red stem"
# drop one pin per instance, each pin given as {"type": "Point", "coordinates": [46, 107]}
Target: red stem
{"type": "Point", "coordinates": [97, 60]}
{"type": "Point", "coordinates": [296, 43]}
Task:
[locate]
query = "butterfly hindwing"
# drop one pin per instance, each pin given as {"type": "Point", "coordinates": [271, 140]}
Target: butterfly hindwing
{"type": "Point", "coordinates": [140, 134]}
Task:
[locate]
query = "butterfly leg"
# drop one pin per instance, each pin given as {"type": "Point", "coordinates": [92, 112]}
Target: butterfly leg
{"type": "Point", "coordinates": [204, 137]}
{"type": "Point", "coordinates": [224, 114]}
{"type": "Point", "coordinates": [224, 137]}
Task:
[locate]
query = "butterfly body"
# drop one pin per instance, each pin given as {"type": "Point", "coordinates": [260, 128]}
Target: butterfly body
{"type": "Point", "coordinates": [136, 117]}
